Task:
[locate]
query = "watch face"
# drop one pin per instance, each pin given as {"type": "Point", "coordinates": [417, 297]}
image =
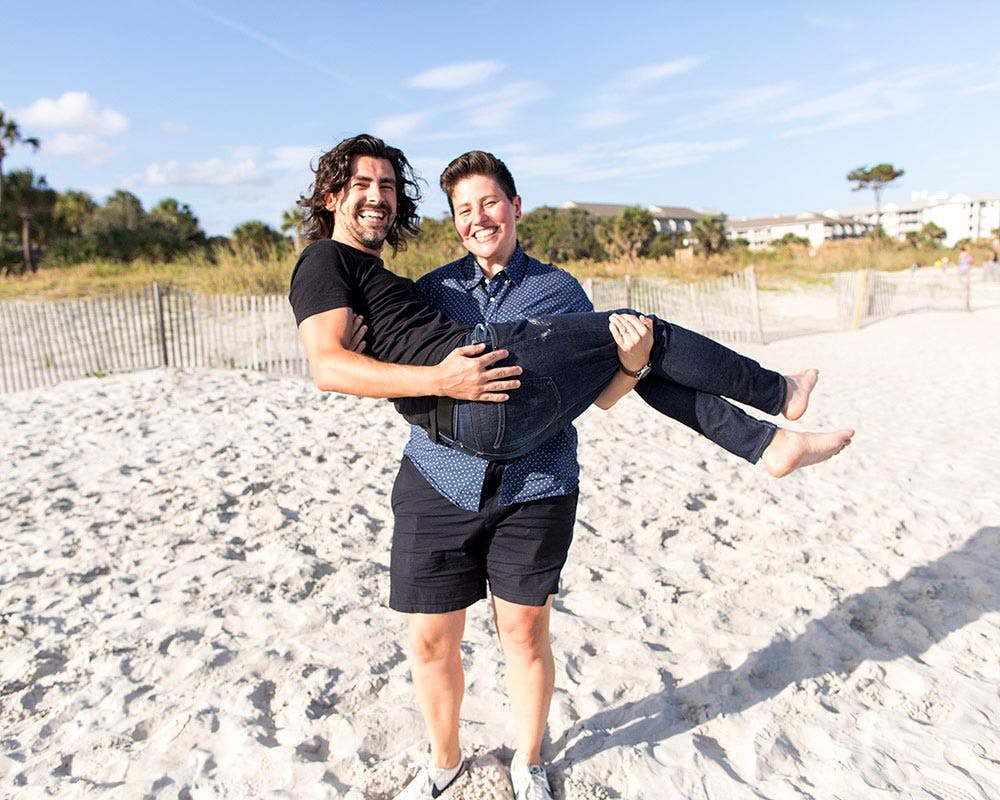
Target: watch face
{"type": "Point", "coordinates": [644, 372]}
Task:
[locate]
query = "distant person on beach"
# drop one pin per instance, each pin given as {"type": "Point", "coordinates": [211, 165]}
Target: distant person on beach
{"type": "Point", "coordinates": [363, 196]}
{"type": "Point", "coordinates": [964, 261]}
{"type": "Point", "coordinates": [991, 269]}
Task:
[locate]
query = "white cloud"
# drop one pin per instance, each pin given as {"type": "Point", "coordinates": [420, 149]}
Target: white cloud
{"type": "Point", "coordinates": [400, 125]}
{"type": "Point", "coordinates": [212, 172]}
{"type": "Point", "coordinates": [455, 76]}
{"type": "Point", "coordinates": [292, 158]}
{"type": "Point", "coordinates": [75, 111]}
{"type": "Point", "coordinates": [863, 65]}
{"type": "Point", "coordinates": [176, 127]}
{"type": "Point", "coordinates": [737, 105]}
{"type": "Point", "coordinates": [982, 88]}
{"type": "Point", "coordinates": [611, 161]}
{"type": "Point", "coordinates": [91, 150]}
{"type": "Point", "coordinates": [604, 117]}
{"type": "Point", "coordinates": [831, 23]}
{"type": "Point", "coordinates": [862, 103]}
{"type": "Point", "coordinates": [496, 109]}
{"type": "Point", "coordinates": [640, 77]}
{"type": "Point", "coordinates": [617, 101]}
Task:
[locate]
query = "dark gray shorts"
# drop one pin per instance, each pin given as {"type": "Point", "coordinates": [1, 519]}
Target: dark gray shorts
{"type": "Point", "coordinates": [443, 556]}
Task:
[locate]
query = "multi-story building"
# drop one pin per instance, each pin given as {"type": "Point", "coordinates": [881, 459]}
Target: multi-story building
{"type": "Point", "coordinates": [760, 232]}
{"type": "Point", "coordinates": [962, 216]}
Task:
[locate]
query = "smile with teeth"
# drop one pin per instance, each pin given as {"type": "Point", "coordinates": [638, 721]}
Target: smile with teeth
{"type": "Point", "coordinates": [484, 234]}
{"type": "Point", "coordinates": [373, 214]}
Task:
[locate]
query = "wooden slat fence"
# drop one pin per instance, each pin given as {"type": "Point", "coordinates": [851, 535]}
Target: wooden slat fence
{"type": "Point", "coordinates": [724, 308]}
{"type": "Point", "coordinates": [868, 296]}
{"type": "Point", "coordinates": [42, 344]}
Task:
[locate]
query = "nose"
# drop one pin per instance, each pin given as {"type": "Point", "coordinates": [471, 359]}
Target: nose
{"type": "Point", "coordinates": [373, 194]}
{"type": "Point", "coordinates": [477, 214]}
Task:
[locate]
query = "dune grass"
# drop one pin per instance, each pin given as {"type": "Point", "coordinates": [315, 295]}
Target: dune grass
{"type": "Point", "coordinates": [229, 270]}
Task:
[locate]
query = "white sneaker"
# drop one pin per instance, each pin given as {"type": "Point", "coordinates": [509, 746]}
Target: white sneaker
{"type": "Point", "coordinates": [422, 786]}
{"type": "Point", "coordinates": [529, 782]}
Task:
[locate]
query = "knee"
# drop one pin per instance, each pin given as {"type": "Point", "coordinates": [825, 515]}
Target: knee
{"type": "Point", "coordinates": [526, 632]}
{"type": "Point", "coordinates": [432, 646]}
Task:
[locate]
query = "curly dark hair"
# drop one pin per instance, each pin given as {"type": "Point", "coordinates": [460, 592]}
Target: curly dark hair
{"type": "Point", "coordinates": [333, 171]}
{"type": "Point", "coordinates": [477, 162]}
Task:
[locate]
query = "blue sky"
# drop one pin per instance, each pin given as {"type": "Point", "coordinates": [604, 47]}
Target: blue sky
{"type": "Point", "coordinates": [751, 108]}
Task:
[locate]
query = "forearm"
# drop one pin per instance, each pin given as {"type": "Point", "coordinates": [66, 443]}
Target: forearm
{"type": "Point", "coordinates": [620, 385]}
{"type": "Point", "coordinates": [354, 373]}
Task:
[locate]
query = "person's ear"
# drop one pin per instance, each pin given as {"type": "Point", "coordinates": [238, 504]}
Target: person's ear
{"type": "Point", "coordinates": [331, 202]}
{"type": "Point", "coordinates": [517, 207]}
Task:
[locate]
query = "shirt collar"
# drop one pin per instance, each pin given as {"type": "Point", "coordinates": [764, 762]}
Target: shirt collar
{"type": "Point", "coordinates": [472, 276]}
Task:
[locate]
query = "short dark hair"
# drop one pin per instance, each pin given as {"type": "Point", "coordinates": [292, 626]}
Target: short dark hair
{"type": "Point", "coordinates": [477, 162]}
{"type": "Point", "coordinates": [333, 171]}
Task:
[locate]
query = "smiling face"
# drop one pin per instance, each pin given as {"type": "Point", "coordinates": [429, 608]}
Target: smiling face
{"type": "Point", "coordinates": [364, 209]}
{"type": "Point", "coordinates": [486, 221]}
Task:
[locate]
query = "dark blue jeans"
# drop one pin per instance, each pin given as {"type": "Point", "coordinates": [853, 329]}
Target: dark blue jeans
{"type": "Point", "coordinates": [567, 360]}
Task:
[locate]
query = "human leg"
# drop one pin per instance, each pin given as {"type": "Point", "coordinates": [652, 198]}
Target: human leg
{"type": "Point", "coordinates": [567, 361]}
{"type": "Point", "coordinates": [524, 637]}
{"type": "Point", "coordinates": [709, 415]}
{"type": "Point", "coordinates": [527, 553]}
{"type": "Point", "coordinates": [437, 569]}
{"type": "Point", "coordinates": [438, 680]}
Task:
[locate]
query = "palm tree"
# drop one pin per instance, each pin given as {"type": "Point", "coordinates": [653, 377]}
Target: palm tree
{"type": "Point", "coordinates": [711, 235]}
{"type": "Point", "coordinates": [875, 178]}
{"type": "Point", "coordinates": [291, 220]}
{"type": "Point", "coordinates": [33, 201]}
{"type": "Point", "coordinates": [10, 135]}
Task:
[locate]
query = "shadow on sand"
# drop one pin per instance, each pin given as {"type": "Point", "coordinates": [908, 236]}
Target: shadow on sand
{"type": "Point", "coordinates": [902, 618]}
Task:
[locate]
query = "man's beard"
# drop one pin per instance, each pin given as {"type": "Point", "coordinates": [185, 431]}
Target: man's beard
{"type": "Point", "coordinates": [372, 239]}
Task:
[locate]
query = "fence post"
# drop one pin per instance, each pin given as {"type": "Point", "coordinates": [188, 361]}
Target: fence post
{"type": "Point", "coordinates": [161, 325]}
{"type": "Point", "coordinates": [859, 300]}
{"type": "Point", "coordinates": [758, 326]}
{"type": "Point", "coordinates": [588, 287]}
{"type": "Point", "coordinates": [628, 291]}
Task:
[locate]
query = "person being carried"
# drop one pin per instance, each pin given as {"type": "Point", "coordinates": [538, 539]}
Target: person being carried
{"type": "Point", "coordinates": [499, 390]}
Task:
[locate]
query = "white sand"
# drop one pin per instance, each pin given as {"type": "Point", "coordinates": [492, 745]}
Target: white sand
{"type": "Point", "coordinates": [195, 570]}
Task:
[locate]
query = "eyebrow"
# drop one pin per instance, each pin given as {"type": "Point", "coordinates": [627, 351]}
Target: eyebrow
{"type": "Point", "coordinates": [358, 176]}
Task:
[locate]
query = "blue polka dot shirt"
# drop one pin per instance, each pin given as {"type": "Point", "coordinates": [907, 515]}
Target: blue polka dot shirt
{"type": "Point", "coordinates": [525, 288]}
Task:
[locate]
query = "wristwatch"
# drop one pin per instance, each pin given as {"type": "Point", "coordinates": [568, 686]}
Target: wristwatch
{"type": "Point", "coordinates": [638, 375]}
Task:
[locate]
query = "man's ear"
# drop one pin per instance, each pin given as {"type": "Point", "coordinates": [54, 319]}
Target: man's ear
{"type": "Point", "coordinates": [517, 207]}
{"type": "Point", "coordinates": [331, 202]}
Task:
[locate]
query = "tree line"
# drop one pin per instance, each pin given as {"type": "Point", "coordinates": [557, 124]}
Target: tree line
{"type": "Point", "coordinates": [39, 222]}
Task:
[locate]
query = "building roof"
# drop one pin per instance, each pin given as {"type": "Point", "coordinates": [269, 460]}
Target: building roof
{"type": "Point", "coordinates": [804, 218]}
{"type": "Point", "coordinates": [662, 212]}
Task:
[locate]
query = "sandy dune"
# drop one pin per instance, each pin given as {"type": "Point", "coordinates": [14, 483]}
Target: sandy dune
{"type": "Point", "coordinates": [196, 564]}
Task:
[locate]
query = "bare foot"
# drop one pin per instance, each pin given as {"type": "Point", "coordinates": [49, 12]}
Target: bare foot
{"type": "Point", "coordinates": [800, 386]}
{"type": "Point", "coordinates": [790, 450]}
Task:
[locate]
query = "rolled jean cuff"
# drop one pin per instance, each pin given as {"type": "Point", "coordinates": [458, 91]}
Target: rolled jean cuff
{"type": "Point", "coordinates": [766, 438]}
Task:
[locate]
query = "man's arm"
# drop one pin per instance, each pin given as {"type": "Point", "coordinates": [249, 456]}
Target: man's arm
{"type": "Point", "coordinates": [464, 374]}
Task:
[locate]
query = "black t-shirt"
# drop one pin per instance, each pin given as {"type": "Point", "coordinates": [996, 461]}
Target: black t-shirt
{"type": "Point", "coordinates": [402, 327]}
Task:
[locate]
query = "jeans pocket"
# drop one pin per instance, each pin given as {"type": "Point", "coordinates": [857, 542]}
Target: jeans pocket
{"type": "Point", "coordinates": [528, 414]}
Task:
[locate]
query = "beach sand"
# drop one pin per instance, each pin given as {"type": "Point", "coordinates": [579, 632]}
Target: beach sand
{"type": "Point", "coordinates": [195, 572]}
